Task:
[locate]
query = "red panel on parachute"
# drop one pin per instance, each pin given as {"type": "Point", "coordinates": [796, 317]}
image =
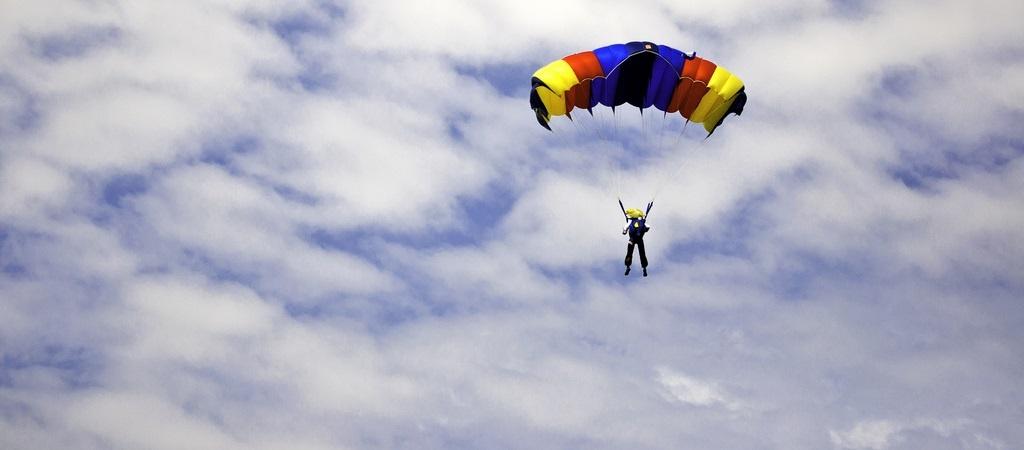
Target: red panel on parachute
{"type": "Point", "coordinates": [702, 71]}
{"type": "Point", "coordinates": [587, 67]}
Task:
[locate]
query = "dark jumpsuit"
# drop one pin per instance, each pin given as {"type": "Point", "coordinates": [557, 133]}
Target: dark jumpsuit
{"type": "Point", "coordinates": [637, 228]}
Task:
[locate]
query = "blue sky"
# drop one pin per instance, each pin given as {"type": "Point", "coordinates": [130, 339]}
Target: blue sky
{"type": "Point", "coordinates": [318, 224]}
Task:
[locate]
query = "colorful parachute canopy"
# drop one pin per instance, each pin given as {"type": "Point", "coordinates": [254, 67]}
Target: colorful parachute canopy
{"type": "Point", "coordinates": [642, 74]}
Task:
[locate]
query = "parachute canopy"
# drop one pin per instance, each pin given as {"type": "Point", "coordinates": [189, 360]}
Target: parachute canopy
{"type": "Point", "coordinates": [642, 74]}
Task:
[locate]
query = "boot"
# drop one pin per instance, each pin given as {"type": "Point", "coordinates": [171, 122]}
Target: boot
{"type": "Point", "coordinates": [627, 271]}
{"type": "Point", "coordinates": [645, 271]}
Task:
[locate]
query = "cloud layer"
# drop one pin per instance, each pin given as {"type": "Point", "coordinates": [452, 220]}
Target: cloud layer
{"type": "Point", "coordinates": [337, 225]}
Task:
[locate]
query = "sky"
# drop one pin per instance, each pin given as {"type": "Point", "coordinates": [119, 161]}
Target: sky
{"type": "Point", "coordinates": [337, 225]}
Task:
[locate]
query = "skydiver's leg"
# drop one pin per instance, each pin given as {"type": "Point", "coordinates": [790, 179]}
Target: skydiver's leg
{"type": "Point", "coordinates": [643, 255]}
{"type": "Point", "coordinates": [629, 256]}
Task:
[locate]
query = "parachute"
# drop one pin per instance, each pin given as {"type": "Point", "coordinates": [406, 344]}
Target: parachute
{"type": "Point", "coordinates": [642, 74]}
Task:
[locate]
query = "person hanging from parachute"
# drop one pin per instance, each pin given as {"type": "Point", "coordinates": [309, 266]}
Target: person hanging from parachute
{"type": "Point", "coordinates": [644, 75]}
{"type": "Point", "coordinates": [636, 227]}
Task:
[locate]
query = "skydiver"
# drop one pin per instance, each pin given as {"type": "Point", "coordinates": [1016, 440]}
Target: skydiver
{"type": "Point", "coordinates": [636, 226]}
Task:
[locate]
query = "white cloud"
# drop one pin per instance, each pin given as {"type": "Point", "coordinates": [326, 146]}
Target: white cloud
{"type": "Point", "coordinates": [873, 435]}
{"type": "Point", "coordinates": [378, 162]}
{"type": "Point", "coordinates": [694, 392]}
{"type": "Point", "coordinates": [28, 185]}
{"type": "Point", "coordinates": [882, 434]}
{"type": "Point", "coordinates": [142, 420]}
{"type": "Point", "coordinates": [192, 321]}
{"type": "Point", "coordinates": [497, 31]}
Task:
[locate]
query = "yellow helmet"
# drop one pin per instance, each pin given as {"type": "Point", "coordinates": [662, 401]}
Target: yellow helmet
{"type": "Point", "coordinates": [634, 213]}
